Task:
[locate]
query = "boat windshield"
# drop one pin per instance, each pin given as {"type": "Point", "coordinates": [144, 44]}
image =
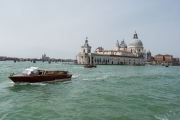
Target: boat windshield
{"type": "Point", "coordinates": [30, 71]}
{"type": "Point", "coordinates": [26, 71]}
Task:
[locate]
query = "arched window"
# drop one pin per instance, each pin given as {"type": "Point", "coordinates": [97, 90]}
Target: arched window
{"type": "Point", "coordinates": [83, 50]}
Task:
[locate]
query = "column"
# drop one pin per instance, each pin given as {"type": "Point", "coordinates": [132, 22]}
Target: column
{"type": "Point", "coordinates": [90, 60]}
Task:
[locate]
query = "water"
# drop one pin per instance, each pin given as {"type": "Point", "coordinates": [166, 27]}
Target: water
{"type": "Point", "coordinates": [103, 93]}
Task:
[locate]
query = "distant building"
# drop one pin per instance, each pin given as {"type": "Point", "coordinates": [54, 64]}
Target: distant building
{"type": "Point", "coordinates": [176, 61]}
{"type": "Point", "coordinates": [12, 59]}
{"type": "Point", "coordinates": [2, 58]}
{"type": "Point", "coordinates": [45, 58]}
{"type": "Point", "coordinates": [164, 59]}
{"type": "Point", "coordinates": [134, 54]}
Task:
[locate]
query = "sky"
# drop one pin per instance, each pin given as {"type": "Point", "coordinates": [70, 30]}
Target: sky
{"type": "Point", "coordinates": [58, 28]}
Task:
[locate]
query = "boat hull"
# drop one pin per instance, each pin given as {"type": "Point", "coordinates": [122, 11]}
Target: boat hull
{"type": "Point", "coordinates": [90, 66]}
{"type": "Point", "coordinates": [41, 78]}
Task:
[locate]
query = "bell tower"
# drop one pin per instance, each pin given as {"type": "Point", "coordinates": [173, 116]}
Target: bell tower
{"type": "Point", "coordinates": [86, 48]}
{"type": "Point", "coordinates": [117, 45]}
{"type": "Point", "coordinates": [135, 35]}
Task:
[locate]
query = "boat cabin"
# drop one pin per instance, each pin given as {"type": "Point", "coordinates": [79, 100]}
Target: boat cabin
{"type": "Point", "coordinates": [29, 71]}
{"type": "Point", "coordinates": [35, 71]}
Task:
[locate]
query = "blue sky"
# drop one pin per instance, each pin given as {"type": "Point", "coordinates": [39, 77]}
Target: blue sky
{"type": "Point", "coordinates": [29, 28]}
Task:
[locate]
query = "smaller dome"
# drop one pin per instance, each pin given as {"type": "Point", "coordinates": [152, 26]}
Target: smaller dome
{"type": "Point", "coordinates": [123, 44]}
{"type": "Point", "coordinates": [99, 49]}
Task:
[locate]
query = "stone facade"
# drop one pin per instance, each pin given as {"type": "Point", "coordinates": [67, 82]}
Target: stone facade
{"type": "Point", "coordinates": [134, 54]}
{"type": "Point", "coordinates": [93, 58]}
{"type": "Point", "coordinates": [176, 61]}
{"type": "Point", "coordinates": [164, 60]}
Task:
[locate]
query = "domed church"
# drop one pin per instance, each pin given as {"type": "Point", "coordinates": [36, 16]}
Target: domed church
{"type": "Point", "coordinates": [134, 54]}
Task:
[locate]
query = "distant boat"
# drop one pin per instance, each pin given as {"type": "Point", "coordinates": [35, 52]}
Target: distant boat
{"type": "Point", "coordinates": [90, 66]}
{"type": "Point", "coordinates": [166, 65]}
{"type": "Point", "coordinates": [34, 75]}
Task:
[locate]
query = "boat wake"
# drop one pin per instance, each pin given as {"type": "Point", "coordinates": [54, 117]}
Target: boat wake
{"type": "Point", "coordinates": [43, 84]}
{"type": "Point", "coordinates": [97, 78]}
{"type": "Point", "coordinates": [11, 82]}
{"type": "Point", "coordinates": [38, 84]}
{"type": "Point", "coordinates": [100, 78]}
{"type": "Point", "coordinates": [163, 117]}
{"type": "Point", "coordinates": [75, 76]}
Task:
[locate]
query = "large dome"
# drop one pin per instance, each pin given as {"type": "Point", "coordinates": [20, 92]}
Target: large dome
{"type": "Point", "coordinates": [136, 41]}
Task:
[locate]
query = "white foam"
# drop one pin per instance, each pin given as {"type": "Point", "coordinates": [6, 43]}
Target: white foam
{"type": "Point", "coordinates": [161, 117]}
{"type": "Point", "coordinates": [75, 76]}
{"type": "Point", "coordinates": [11, 82]}
{"type": "Point", "coordinates": [38, 84]}
{"type": "Point", "coordinates": [26, 83]}
{"type": "Point", "coordinates": [99, 78]}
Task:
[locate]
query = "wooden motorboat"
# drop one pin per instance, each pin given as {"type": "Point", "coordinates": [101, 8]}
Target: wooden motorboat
{"type": "Point", "coordinates": [90, 66]}
{"type": "Point", "coordinates": [34, 75]}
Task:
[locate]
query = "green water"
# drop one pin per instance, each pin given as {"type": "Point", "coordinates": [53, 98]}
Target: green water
{"type": "Point", "coordinates": [103, 93]}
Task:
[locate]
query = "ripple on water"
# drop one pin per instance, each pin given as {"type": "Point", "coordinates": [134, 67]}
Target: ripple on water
{"type": "Point", "coordinates": [104, 93]}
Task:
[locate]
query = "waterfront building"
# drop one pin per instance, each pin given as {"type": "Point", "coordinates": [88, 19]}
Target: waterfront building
{"type": "Point", "coordinates": [45, 58]}
{"type": "Point", "coordinates": [2, 58]}
{"type": "Point", "coordinates": [12, 59]}
{"type": "Point", "coordinates": [134, 54]}
{"type": "Point", "coordinates": [175, 61]}
{"type": "Point", "coordinates": [163, 59]}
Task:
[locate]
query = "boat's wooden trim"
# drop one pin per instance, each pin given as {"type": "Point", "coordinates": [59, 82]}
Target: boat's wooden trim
{"type": "Point", "coordinates": [42, 76]}
{"type": "Point", "coordinates": [90, 66]}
